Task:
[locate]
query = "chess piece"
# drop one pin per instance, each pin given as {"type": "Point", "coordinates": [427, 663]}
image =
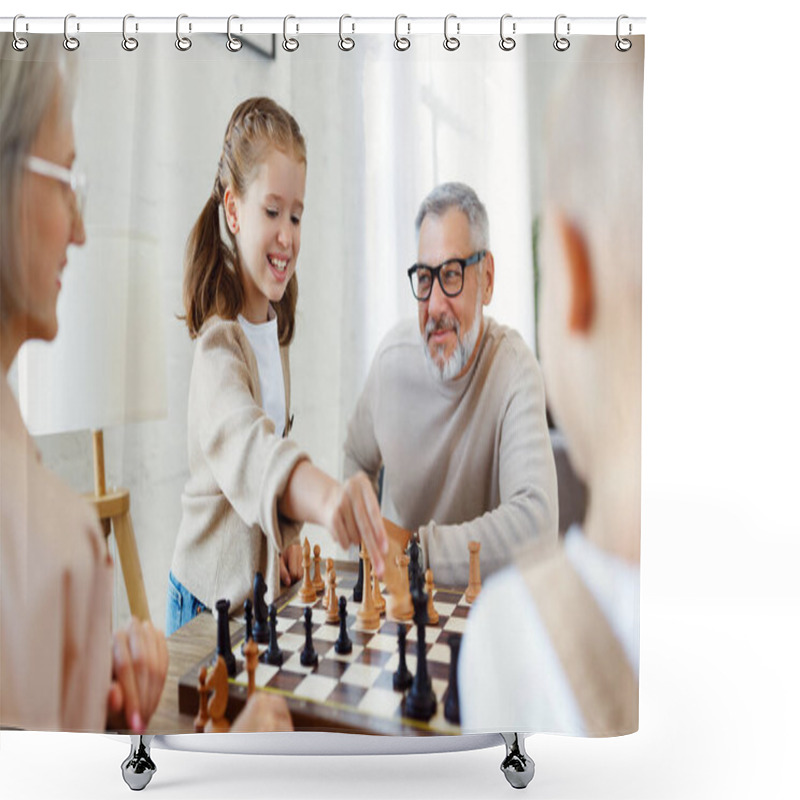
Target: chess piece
{"type": "Point", "coordinates": [248, 623]}
{"type": "Point", "coordinates": [377, 596]}
{"type": "Point", "coordinates": [398, 539]}
{"type": "Point", "coordinates": [273, 654]}
{"type": "Point", "coordinates": [433, 614]}
{"type": "Point", "coordinates": [309, 657]}
{"type": "Point", "coordinates": [202, 694]}
{"type": "Point", "coordinates": [452, 710]}
{"type": "Point", "coordinates": [251, 660]}
{"type": "Point", "coordinates": [224, 637]}
{"type": "Point", "coordinates": [319, 584]}
{"type": "Point", "coordinates": [358, 589]}
{"type": "Point", "coordinates": [402, 677]}
{"type": "Point", "coordinates": [333, 609]}
{"type": "Point", "coordinates": [343, 645]}
{"type": "Point", "coordinates": [308, 594]}
{"type": "Point", "coordinates": [218, 703]}
{"type": "Point", "coordinates": [261, 626]}
{"type": "Point", "coordinates": [415, 577]}
{"type": "Point", "coordinates": [328, 570]}
{"type": "Point", "coordinates": [399, 606]}
{"type": "Point", "coordinates": [474, 587]}
{"type": "Point", "coordinates": [368, 616]}
{"type": "Point", "coordinates": [420, 702]}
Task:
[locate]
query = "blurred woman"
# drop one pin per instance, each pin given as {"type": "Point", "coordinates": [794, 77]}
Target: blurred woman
{"type": "Point", "coordinates": [60, 668]}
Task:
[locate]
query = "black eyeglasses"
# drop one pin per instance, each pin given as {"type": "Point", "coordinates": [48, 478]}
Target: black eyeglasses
{"type": "Point", "coordinates": [450, 274]}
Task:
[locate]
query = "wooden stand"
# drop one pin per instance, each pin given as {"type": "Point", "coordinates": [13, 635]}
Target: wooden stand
{"type": "Point", "coordinates": [114, 511]}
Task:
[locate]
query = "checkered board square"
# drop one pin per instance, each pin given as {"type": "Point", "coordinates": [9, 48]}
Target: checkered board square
{"type": "Point", "coordinates": [346, 692]}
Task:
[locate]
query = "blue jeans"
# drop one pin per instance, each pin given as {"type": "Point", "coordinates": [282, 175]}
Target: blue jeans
{"type": "Point", "coordinates": [182, 605]}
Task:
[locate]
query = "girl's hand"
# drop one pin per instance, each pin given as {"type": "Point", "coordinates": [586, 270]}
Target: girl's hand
{"type": "Point", "coordinates": [353, 516]}
{"type": "Point", "coordinates": [291, 564]}
{"type": "Point", "coordinates": [139, 670]}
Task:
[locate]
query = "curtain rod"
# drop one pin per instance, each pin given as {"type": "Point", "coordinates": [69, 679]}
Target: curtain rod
{"type": "Point", "coordinates": [300, 25]}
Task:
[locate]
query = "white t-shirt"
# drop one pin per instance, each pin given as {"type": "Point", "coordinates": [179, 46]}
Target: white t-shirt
{"type": "Point", "coordinates": [263, 338]}
{"type": "Point", "coordinates": [510, 676]}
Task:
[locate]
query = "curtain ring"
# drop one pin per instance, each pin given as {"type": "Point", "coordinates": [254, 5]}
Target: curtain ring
{"type": "Point", "coordinates": [18, 43]}
{"type": "Point", "coordinates": [507, 42]}
{"type": "Point", "coordinates": [70, 42]}
{"type": "Point", "coordinates": [289, 44]}
{"type": "Point", "coordinates": [561, 43]}
{"type": "Point", "coordinates": [451, 42]}
{"type": "Point", "coordinates": [346, 42]}
{"type": "Point", "coordinates": [183, 43]}
{"type": "Point", "coordinates": [623, 45]}
{"type": "Point", "coordinates": [128, 42]}
{"type": "Point", "coordinates": [233, 44]}
{"type": "Point", "coordinates": [401, 42]}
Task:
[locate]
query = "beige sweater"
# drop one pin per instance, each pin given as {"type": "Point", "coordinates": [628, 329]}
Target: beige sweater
{"type": "Point", "coordinates": [238, 469]}
{"type": "Point", "coordinates": [56, 583]}
{"type": "Point", "coordinates": [465, 459]}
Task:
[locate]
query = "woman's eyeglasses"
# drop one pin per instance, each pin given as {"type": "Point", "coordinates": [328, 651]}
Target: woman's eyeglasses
{"type": "Point", "coordinates": [73, 178]}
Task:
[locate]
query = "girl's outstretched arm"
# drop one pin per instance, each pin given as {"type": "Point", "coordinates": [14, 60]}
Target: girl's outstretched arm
{"type": "Point", "coordinates": [349, 511]}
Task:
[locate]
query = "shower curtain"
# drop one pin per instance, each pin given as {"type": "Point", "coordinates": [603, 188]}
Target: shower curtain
{"type": "Point", "coordinates": [532, 443]}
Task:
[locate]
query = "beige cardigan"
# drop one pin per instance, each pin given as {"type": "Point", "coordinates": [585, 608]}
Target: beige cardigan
{"type": "Point", "coordinates": [238, 469]}
{"type": "Point", "coordinates": [56, 582]}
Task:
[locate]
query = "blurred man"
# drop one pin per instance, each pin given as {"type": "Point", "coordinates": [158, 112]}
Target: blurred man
{"type": "Point", "coordinates": [552, 643]}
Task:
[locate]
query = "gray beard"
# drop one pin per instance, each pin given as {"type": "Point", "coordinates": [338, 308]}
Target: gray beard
{"type": "Point", "coordinates": [464, 348]}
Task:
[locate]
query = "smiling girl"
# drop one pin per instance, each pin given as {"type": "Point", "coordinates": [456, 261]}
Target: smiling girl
{"type": "Point", "coordinates": [250, 486]}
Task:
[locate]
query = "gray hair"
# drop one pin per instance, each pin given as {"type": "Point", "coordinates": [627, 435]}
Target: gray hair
{"type": "Point", "coordinates": [462, 197]}
{"type": "Point", "coordinates": [29, 81]}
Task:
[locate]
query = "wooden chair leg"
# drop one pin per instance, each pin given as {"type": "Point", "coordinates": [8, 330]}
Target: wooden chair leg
{"type": "Point", "coordinates": [131, 567]}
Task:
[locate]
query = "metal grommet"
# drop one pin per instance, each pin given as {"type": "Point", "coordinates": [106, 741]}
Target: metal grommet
{"type": "Point", "coordinates": [233, 44]}
{"type": "Point", "coordinates": [18, 43]}
{"type": "Point", "coordinates": [346, 43]}
{"type": "Point", "coordinates": [71, 43]}
{"type": "Point", "coordinates": [561, 43]}
{"type": "Point", "coordinates": [507, 42]}
{"type": "Point", "coordinates": [401, 42]}
{"type": "Point", "coordinates": [623, 45]}
{"type": "Point", "coordinates": [289, 44]}
{"type": "Point", "coordinates": [183, 43]}
{"type": "Point", "coordinates": [451, 42]}
{"type": "Point", "coordinates": [128, 42]}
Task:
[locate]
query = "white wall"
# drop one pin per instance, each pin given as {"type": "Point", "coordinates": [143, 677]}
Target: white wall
{"type": "Point", "coordinates": [382, 128]}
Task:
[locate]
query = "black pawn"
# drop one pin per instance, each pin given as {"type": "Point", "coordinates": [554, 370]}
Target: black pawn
{"type": "Point", "coordinates": [261, 627]}
{"type": "Point", "coordinates": [452, 709]}
{"type": "Point", "coordinates": [420, 702]}
{"type": "Point", "coordinates": [308, 658]}
{"type": "Point", "coordinates": [402, 678]}
{"type": "Point", "coordinates": [358, 589]}
{"type": "Point", "coordinates": [274, 655]}
{"type": "Point", "coordinates": [343, 645]}
{"type": "Point", "coordinates": [224, 637]}
{"type": "Point", "coordinates": [248, 622]}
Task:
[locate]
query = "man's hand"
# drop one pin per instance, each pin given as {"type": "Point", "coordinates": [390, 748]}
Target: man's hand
{"type": "Point", "coordinates": [139, 670]}
{"type": "Point", "coordinates": [291, 564]}
{"type": "Point", "coordinates": [263, 713]}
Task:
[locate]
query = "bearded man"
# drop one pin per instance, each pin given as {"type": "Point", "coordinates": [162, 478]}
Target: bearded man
{"type": "Point", "coordinates": [453, 409]}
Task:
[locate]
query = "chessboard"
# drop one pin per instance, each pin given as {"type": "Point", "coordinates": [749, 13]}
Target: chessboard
{"type": "Point", "coordinates": [344, 693]}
